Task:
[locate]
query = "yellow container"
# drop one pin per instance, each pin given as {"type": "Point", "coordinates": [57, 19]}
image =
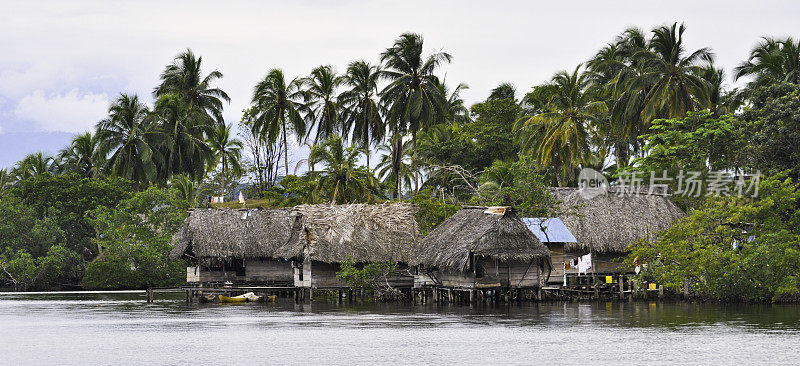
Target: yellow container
{"type": "Point", "coordinates": [609, 279]}
{"type": "Point", "coordinates": [652, 286]}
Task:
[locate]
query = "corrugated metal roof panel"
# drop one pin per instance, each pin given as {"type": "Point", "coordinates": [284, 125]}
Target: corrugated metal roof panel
{"type": "Point", "coordinates": [549, 230]}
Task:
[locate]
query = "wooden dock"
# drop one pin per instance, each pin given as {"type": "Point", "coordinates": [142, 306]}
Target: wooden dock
{"type": "Point", "coordinates": [194, 292]}
{"type": "Point", "coordinates": [578, 288]}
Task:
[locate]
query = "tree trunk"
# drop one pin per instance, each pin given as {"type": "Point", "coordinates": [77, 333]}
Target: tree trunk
{"type": "Point", "coordinates": [414, 162]}
{"type": "Point", "coordinates": [369, 169]}
{"type": "Point", "coordinates": [285, 150]}
{"type": "Point", "coordinates": [224, 175]}
{"type": "Point", "coordinates": [622, 154]}
{"type": "Point", "coordinates": [397, 159]}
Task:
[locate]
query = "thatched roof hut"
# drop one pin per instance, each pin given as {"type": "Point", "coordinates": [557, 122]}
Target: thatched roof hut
{"type": "Point", "coordinates": [331, 233]}
{"type": "Point", "coordinates": [499, 235]}
{"type": "Point", "coordinates": [610, 221]}
{"type": "Point", "coordinates": [239, 233]}
{"type": "Point", "coordinates": [363, 232]}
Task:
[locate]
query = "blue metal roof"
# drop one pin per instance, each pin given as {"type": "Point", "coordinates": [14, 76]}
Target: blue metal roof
{"type": "Point", "coordinates": [549, 230]}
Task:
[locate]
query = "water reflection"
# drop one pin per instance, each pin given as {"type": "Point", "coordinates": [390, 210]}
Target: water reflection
{"type": "Point", "coordinates": [110, 328]}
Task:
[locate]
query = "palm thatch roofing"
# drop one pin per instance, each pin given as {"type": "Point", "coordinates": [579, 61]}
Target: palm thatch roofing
{"type": "Point", "coordinates": [242, 233]}
{"type": "Point", "coordinates": [610, 221]}
{"type": "Point", "coordinates": [362, 232]}
{"type": "Point", "coordinates": [328, 233]}
{"type": "Point", "coordinates": [473, 230]}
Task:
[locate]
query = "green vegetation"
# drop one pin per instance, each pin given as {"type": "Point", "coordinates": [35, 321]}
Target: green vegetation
{"type": "Point", "coordinates": [371, 276]}
{"type": "Point", "coordinates": [100, 213]}
{"type": "Point", "coordinates": [732, 249]}
{"type": "Point", "coordinates": [135, 239]}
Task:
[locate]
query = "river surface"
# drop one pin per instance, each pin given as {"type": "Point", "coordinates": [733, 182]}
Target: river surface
{"type": "Point", "coordinates": [120, 328]}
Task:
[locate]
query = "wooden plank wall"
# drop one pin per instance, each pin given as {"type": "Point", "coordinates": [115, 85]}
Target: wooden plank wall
{"type": "Point", "coordinates": [456, 279]}
{"type": "Point", "coordinates": [603, 262]}
{"type": "Point", "coordinates": [256, 270]}
{"type": "Point", "coordinates": [523, 273]}
{"type": "Point", "coordinates": [269, 270]}
{"type": "Point", "coordinates": [323, 275]}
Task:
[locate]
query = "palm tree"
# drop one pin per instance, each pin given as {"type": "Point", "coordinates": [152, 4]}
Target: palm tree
{"type": "Point", "coordinates": [33, 165]}
{"type": "Point", "coordinates": [185, 79]}
{"type": "Point", "coordinates": [227, 151]}
{"type": "Point", "coordinates": [387, 167]}
{"type": "Point", "coordinates": [5, 181]}
{"type": "Point", "coordinates": [609, 65]}
{"type": "Point", "coordinates": [412, 99]}
{"type": "Point", "coordinates": [720, 101]}
{"type": "Point", "coordinates": [503, 91]}
{"type": "Point", "coordinates": [321, 102]}
{"type": "Point", "coordinates": [612, 70]}
{"type": "Point", "coordinates": [341, 180]}
{"type": "Point", "coordinates": [83, 156]}
{"type": "Point", "coordinates": [277, 107]}
{"type": "Point", "coordinates": [455, 110]}
{"type": "Point", "coordinates": [182, 135]}
{"type": "Point", "coordinates": [561, 133]}
{"type": "Point", "coordinates": [497, 176]}
{"type": "Point", "coordinates": [361, 108]}
{"type": "Point", "coordinates": [128, 134]}
{"type": "Point", "coordinates": [186, 189]}
{"type": "Point", "coordinates": [772, 60]}
{"type": "Point", "coordinates": [672, 78]}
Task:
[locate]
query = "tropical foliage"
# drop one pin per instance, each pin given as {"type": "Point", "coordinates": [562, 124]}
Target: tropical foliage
{"type": "Point", "coordinates": [393, 128]}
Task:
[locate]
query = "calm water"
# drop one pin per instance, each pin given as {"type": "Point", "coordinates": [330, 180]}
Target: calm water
{"type": "Point", "coordinates": [105, 328]}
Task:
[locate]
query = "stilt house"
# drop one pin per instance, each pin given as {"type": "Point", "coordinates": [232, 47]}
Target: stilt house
{"type": "Point", "coordinates": [301, 247]}
{"type": "Point", "coordinates": [362, 233]}
{"type": "Point", "coordinates": [239, 246]}
{"type": "Point", "coordinates": [481, 248]}
{"type": "Point", "coordinates": [556, 236]}
{"type": "Point", "coordinates": [607, 223]}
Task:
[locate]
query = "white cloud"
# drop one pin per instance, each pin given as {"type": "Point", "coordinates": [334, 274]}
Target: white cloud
{"type": "Point", "coordinates": [73, 112]}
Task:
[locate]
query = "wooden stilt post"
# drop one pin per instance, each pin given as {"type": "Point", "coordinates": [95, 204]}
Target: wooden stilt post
{"type": "Point", "coordinates": [621, 287]}
{"type": "Point", "coordinates": [149, 295]}
{"type": "Point", "coordinates": [340, 296]}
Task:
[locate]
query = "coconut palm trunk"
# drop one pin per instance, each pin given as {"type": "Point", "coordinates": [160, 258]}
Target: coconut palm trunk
{"type": "Point", "coordinates": [285, 150]}
{"type": "Point", "coordinates": [414, 162]}
{"type": "Point", "coordinates": [397, 160]}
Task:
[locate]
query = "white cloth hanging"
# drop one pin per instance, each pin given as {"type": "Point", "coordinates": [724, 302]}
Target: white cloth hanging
{"type": "Point", "coordinates": [584, 263]}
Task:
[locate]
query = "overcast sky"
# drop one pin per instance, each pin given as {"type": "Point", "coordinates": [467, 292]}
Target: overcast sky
{"type": "Point", "coordinates": [61, 63]}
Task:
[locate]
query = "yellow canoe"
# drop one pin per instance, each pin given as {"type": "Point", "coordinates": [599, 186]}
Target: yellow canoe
{"type": "Point", "coordinates": [248, 297]}
{"type": "Point", "coordinates": [240, 298]}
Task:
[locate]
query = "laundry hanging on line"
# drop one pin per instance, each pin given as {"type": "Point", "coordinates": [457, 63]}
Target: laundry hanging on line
{"type": "Point", "coordinates": [584, 263]}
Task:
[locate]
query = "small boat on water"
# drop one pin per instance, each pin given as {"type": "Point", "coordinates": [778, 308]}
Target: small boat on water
{"type": "Point", "coordinates": [248, 297]}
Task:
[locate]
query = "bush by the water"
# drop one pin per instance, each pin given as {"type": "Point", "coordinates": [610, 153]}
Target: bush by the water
{"type": "Point", "coordinates": [732, 249]}
{"type": "Point", "coordinates": [135, 239]}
